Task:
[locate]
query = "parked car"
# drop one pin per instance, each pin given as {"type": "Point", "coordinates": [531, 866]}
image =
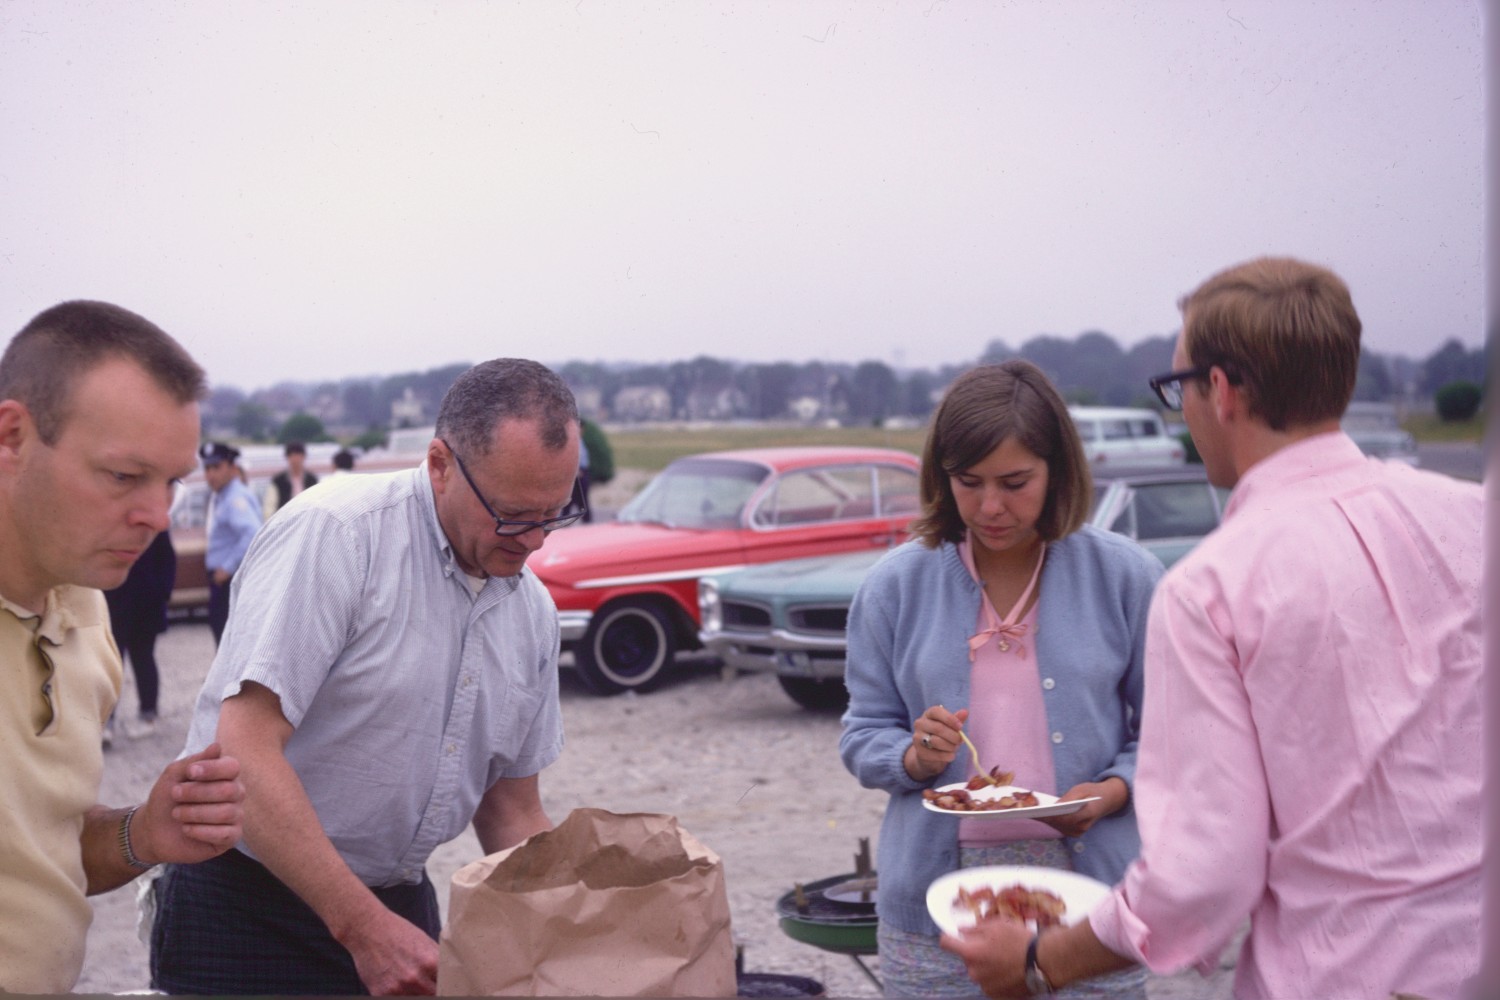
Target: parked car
{"type": "Point", "coordinates": [1376, 428]}
{"type": "Point", "coordinates": [1126, 438]}
{"type": "Point", "coordinates": [791, 618]}
{"type": "Point", "coordinates": [627, 589]}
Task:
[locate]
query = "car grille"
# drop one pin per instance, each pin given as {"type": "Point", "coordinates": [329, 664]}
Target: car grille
{"type": "Point", "coordinates": [829, 620]}
{"type": "Point", "coordinates": [745, 616]}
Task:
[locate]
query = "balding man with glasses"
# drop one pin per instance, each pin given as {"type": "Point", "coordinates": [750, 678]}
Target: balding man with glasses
{"type": "Point", "coordinates": [388, 676]}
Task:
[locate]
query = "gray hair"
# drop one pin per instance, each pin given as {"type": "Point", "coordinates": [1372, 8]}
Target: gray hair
{"type": "Point", "coordinates": [505, 389]}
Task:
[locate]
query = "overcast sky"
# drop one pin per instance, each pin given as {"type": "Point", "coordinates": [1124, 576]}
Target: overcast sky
{"type": "Point", "coordinates": [320, 190]}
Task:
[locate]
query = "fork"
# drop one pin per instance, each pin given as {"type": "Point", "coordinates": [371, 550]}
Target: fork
{"type": "Point", "coordinates": [974, 752]}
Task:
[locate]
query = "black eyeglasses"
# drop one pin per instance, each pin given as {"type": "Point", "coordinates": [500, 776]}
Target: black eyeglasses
{"type": "Point", "coordinates": [577, 507]}
{"type": "Point", "coordinates": [1168, 385]}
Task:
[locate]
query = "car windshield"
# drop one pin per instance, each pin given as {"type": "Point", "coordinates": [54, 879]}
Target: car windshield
{"type": "Point", "coordinates": [700, 493]}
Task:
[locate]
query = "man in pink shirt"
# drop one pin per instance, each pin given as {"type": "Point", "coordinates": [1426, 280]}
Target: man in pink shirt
{"type": "Point", "coordinates": [1311, 753]}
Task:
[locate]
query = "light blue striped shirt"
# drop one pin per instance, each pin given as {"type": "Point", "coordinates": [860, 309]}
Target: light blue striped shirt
{"type": "Point", "coordinates": [410, 695]}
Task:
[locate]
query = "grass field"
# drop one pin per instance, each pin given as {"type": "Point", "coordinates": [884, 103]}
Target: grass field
{"type": "Point", "coordinates": [651, 447]}
{"type": "Point", "coordinates": [1427, 427]}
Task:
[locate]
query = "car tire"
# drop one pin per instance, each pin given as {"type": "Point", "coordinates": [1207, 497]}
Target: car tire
{"type": "Point", "coordinates": [818, 695]}
{"type": "Point", "coordinates": [628, 646]}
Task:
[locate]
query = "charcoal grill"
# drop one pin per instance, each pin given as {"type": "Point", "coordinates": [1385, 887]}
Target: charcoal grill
{"type": "Point", "coordinates": [836, 914]}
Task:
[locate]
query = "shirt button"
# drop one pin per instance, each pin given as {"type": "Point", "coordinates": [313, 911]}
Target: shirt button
{"type": "Point", "coordinates": [1057, 737]}
{"type": "Point", "coordinates": [1048, 683]}
{"type": "Point", "coordinates": [452, 748]}
{"type": "Point", "coordinates": [1077, 847]}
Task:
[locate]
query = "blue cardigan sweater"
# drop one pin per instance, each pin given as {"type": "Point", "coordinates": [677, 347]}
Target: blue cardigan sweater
{"type": "Point", "coordinates": [908, 650]}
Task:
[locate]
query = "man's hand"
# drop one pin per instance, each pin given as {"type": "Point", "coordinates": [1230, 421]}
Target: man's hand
{"type": "Point", "coordinates": [995, 953]}
{"type": "Point", "coordinates": [1113, 795]}
{"type": "Point", "coordinates": [393, 956]}
{"type": "Point", "coordinates": [193, 812]}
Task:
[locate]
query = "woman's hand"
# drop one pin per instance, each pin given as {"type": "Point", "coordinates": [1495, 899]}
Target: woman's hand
{"type": "Point", "coordinates": [1113, 793]}
{"type": "Point", "coordinates": [934, 742]}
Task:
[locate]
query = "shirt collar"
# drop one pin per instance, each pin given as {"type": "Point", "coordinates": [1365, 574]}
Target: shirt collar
{"type": "Point", "coordinates": [68, 607]}
{"type": "Point", "coordinates": [1319, 455]}
{"type": "Point", "coordinates": [440, 537]}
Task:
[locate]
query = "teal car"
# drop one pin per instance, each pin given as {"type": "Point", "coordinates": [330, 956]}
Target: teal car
{"type": "Point", "coordinates": [790, 618]}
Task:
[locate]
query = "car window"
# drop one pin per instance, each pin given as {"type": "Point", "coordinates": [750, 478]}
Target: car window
{"type": "Point", "coordinates": [1147, 428]}
{"type": "Point", "coordinates": [1088, 430]}
{"type": "Point", "coordinates": [809, 496]}
{"type": "Point", "coordinates": [696, 493]}
{"type": "Point", "coordinates": [1115, 430]}
{"type": "Point", "coordinates": [900, 491]}
{"type": "Point", "coordinates": [1173, 510]}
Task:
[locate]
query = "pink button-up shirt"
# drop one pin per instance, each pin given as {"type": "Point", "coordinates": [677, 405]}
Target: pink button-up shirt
{"type": "Point", "coordinates": [1312, 752]}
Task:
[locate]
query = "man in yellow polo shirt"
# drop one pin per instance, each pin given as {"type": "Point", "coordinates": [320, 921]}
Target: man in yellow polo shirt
{"type": "Point", "coordinates": [98, 420]}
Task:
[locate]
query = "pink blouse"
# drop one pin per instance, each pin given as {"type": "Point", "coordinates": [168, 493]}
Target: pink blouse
{"type": "Point", "coordinates": [1007, 719]}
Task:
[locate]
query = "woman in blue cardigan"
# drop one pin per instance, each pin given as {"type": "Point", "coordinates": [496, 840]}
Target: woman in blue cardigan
{"type": "Point", "coordinates": [1009, 618]}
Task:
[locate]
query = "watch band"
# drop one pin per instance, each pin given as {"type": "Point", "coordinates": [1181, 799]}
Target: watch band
{"type": "Point", "coordinates": [1036, 980]}
{"type": "Point", "coordinates": [126, 849]}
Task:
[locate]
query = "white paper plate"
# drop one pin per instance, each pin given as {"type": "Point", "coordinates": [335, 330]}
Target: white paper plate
{"type": "Point", "coordinates": [1079, 892]}
{"type": "Point", "coordinates": [1047, 805]}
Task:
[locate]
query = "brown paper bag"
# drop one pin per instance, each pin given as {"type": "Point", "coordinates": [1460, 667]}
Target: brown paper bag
{"type": "Point", "coordinates": [605, 904]}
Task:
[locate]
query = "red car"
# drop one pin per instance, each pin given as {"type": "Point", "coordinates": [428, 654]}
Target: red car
{"type": "Point", "coordinates": [627, 589]}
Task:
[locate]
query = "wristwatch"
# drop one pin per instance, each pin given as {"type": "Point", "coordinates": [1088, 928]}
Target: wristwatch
{"type": "Point", "coordinates": [1036, 980]}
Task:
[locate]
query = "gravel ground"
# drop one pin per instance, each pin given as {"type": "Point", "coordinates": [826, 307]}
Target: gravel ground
{"type": "Point", "coordinates": [733, 758]}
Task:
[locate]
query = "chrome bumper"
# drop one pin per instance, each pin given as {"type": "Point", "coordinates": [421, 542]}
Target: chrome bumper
{"type": "Point", "coordinates": [573, 624]}
{"type": "Point", "coordinates": [790, 654]}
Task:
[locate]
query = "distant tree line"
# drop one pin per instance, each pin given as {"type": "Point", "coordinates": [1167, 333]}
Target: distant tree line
{"type": "Point", "coordinates": [1089, 369]}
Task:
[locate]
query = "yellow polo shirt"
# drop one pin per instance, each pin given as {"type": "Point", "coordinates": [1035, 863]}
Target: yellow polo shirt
{"type": "Point", "coordinates": [62, 679]}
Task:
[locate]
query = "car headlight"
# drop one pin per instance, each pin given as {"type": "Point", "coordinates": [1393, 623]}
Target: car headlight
{"type": "Point", "coordinates": [710, 609]}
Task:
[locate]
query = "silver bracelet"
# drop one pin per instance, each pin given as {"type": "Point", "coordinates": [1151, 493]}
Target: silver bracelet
{"type": "Point", "coordinates": [126, 850]}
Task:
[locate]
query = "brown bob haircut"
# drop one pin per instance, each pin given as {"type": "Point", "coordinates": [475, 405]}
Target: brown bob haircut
{"type": "Point", "coordinates": [984, 407]}
{"type": "Point", "coordinates": [1284, 331]}
{"type": "Point", "coordinates": [62, 344]}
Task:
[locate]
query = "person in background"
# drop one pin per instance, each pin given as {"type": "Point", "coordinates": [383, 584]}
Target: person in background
{"type": "Point", "coordinates": [233, 519]}
{"type": "Point", "coordinates": [290, 481]}
{"type": "Point", "coordinates": [1010, 618]}
{"type": "Point", "coordinates": [98, 420]}
{"type": "Point", "coordinates": [137, 615]}
{"type": "Point", "coordinates": [389, 676]}
{"type": "Point", "coordinates": [1312, 749]}
{"type": "Point", "coordinates": [343, 462]}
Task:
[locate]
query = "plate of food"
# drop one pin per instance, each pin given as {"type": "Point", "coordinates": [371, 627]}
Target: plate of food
{"type": "Point", "coordinates": [1041, 897]}
{"type": "Point", "coordinates": [997, 802]}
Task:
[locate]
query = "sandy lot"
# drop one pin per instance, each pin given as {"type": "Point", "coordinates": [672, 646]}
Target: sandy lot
{"type": "Point", "coordinates": [747, 771]}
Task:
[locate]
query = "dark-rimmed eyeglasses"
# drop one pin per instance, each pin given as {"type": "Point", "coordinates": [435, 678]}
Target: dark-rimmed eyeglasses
{"type": "Point", "coordinates": [1168, 385]}
{"type": "Point", "coordinates": [577, 507]}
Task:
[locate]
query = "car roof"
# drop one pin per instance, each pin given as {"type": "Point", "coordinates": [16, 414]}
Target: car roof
{"type": "Point", "coordinates": [1174, 474]}
{"type": "Point", "coordinates": [802, 456]}
{"type": "Point", "coordinates": [1112, 412]}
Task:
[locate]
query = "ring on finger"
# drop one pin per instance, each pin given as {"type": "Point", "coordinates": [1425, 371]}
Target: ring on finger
{"type": "Point", "coordinates": [927, 740]}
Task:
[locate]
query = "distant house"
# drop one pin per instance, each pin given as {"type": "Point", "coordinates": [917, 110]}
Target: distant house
{"type": "Point", "coordinates": [643, 402]}
{"type": "Point", "coordinates": [804, 408]}
{"type": "Point", "coordinates": [590, 401]}
{"type": "Point", "coordinates": [715, 404]}
{"type": "Point", "coordinates": [327, 407]}
{"type": "Point", "coordinates": [407, 411]}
